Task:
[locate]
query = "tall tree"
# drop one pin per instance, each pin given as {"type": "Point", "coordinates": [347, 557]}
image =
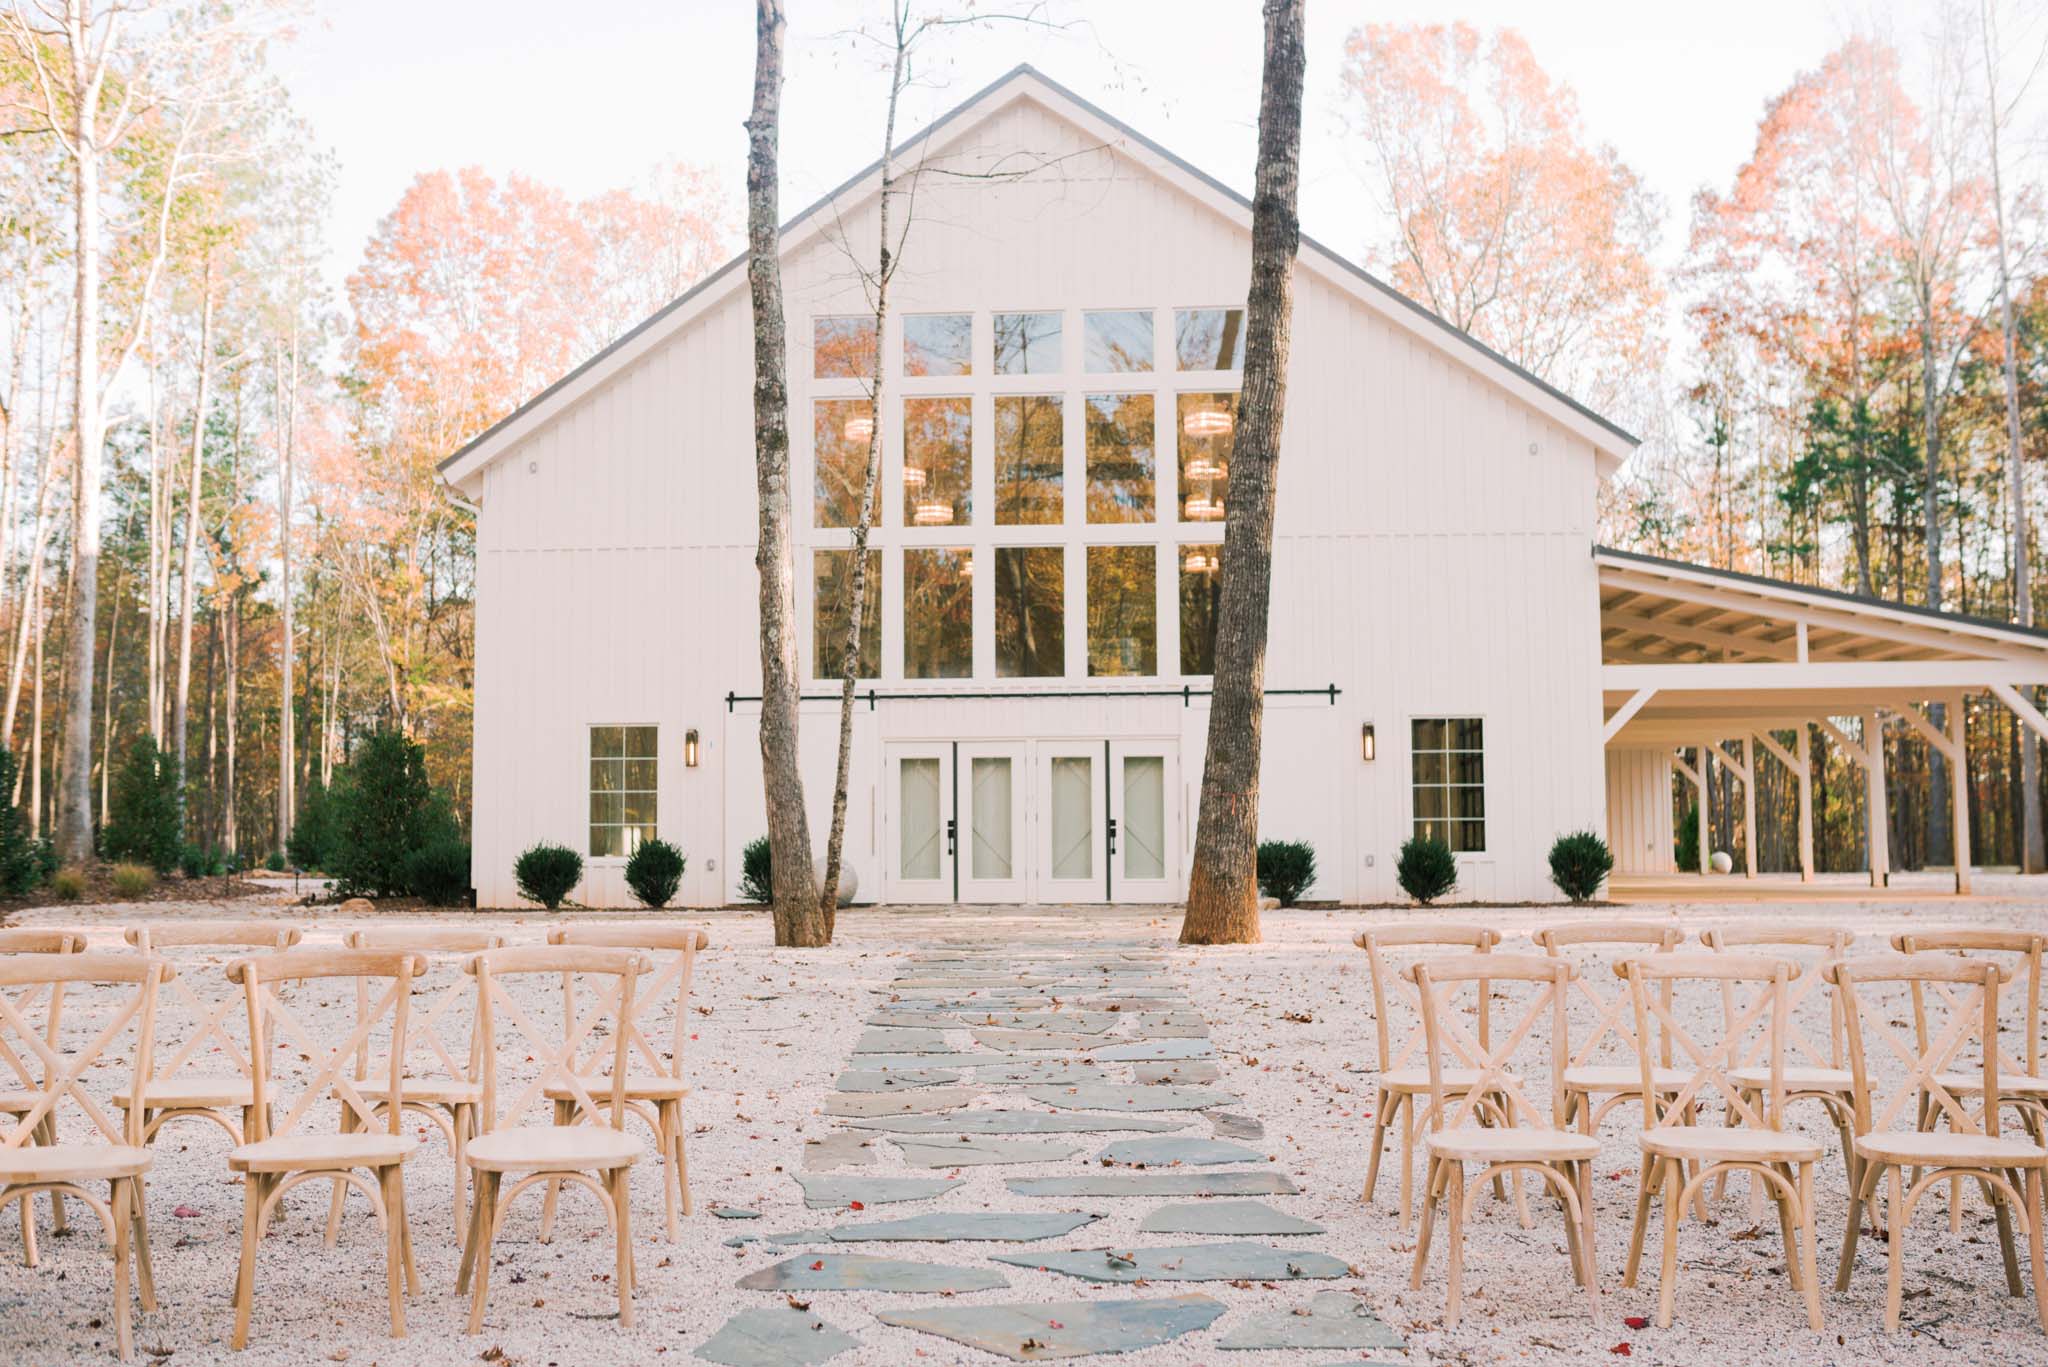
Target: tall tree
{"type": "Point", "coordinates": [799, 917]}
{"type": "Point", "coordinates": [1223, 891]}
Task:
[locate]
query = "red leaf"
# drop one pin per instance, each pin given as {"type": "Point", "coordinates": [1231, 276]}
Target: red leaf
{"type": "Point", "coordinates": [186, 1212]}
{"type": "Point", "coordinates": [1622, 1349]}
{"type": "Point", "coordinates": [818, 1266]}
{"type": "Point", "coordinates": [855, 1205]}
{"type": "Point", "coordinates": [1636, 1322]}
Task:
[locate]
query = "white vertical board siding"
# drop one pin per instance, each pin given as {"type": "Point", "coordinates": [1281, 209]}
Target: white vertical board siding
{"type": "Point", "coordinates": [1639, 821]}
{"type": "Point", "coordinates": [1432, 551]}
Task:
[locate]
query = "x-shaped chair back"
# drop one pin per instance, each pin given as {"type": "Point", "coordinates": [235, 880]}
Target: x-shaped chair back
{"type": "Point", "coordinates": [1447, 1038]}
{"type": "Point", "coordinates": [59, 1084]}
{"type": "Point", "coordinates": [326, 1065]}
{"type": "Point", "coordinates": [200, 1015]}
{"type": "Point", "coordinates": [2019, 952]}
{"type": "Point", "coordinates": [672, 949]}
{"type": "Point", "coordinates": [1753, 1027]}
{"type": "Point", "coordinates": [1610, 1005]}
{"type": "Point", "coordinates": [439, 947]}
{"type": "Point", "coordinates": [609, 978]}
{"type": "Point", "coordinates": [1964, 1010]}
{"type": "Point", "coordinates": [1833, 942]}
{"type": "Point", "coordinates": [44, 998]}
{"type": "Point", "coordinates": [1394, 992]}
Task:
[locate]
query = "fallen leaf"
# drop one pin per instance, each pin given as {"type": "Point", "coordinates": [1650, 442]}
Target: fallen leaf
{"type": "Point", "coordinates": [796, 1304]}
{"type": "Point", "coordinates": [186, 1212]}
{"type": "Point", "coordinates": [1622, 1350]}
{"type": "Point", "coordinates": [1636, 1322]}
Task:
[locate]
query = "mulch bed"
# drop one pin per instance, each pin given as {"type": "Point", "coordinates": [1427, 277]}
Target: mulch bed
{"type": "Point", "coordinates": [99, 890]}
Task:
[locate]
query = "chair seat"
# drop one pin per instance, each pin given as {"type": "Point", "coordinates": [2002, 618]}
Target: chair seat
{"type": "Point", "coordinates": [299, 1152]}
{"type": "Point", "coordinates": [1417, 1079]}
{"type": "Point", "coordinates": [192, 1092]}
{"type": "Point", "coordinates": [642, 1087]}
{"type": "Point", "coordinates": [1510, 1145]}
{"type": "Point", "coordinates": [1940, 1149]}
{"type": "Point", "coordinates": [1971, 1081]}
{"type": "Point", "coordinates": [577, 1148]}
{"type": "Point", "coordinates": [1738, 1143]}
{"type": "Point", "coordinates": [1622, 1078]}
{"type": "Point", "coordinates": [434, 1091]}
{"type": "Point", "coordinates": [71, 1163]}
{"type": "Point", "coordinates": [18, 1103]}
{"type": "Point", "coordinates": [1797, 1079]}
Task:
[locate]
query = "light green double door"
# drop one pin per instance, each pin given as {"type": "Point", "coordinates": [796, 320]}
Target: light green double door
{"type": "Point", "coordinates": [1032, 821]}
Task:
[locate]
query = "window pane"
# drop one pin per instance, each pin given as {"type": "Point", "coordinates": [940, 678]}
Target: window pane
{"type": "Point", "coordinates": [843, 348]}
{"type": "Point", "coordinates": [638, 807]}
{"type": "Point", "coordinates": [1027, 343]}
{"type": "Point", "coordinates": [832, 578]}
{"type": "Point", "coordinates": [1119, 341]}
{"type": "Point", "coordinates": [918, 808]}
{"type": "Point", "coordinates": [1123, 610]}
{"type": "Point", "coordinates": [1200, 585]}
{"type": "Point", "coordinates": [1429, 802]}
{"type": "Point", "coordinates": [841, 433]}
{"type": "Point", "coordinates": [1208, 339]}
{"type": "Point", "coordinates": [989, 816]}
{"type": "Point", "coordinates": [1429, 766]}
{"type": "Point", "coordinates": [1031, 624]}
{"type": "Point", "coordinates": [1073, 817]}
{"type": "Point", "coordinates": [1202, 432]}
{"type": "Point", "coordinates": [1467, 802]}
{"type": "Point", "coordinates": [1144, 824]}
{"type": "Point", "coordinates": [1427, 733]}
{"type": "Point", "coordinates": [1120, 457]}
{"type": "Point", "coordinates": [1030, 455]}
{"type": "Point", "coordinates": [1465, 766]}
{"type": "Point", "coordinates": [635, 837]}
{"type": "Point", "coordinates": [1468, 837]}
{"type": "Point", "coordinates": [606, 842]}
{"type": "Point", "coordinates": [640, 742]}
{"type": "Point", "coordinates": [1467, 733]}
{"type": "Point", "coordinates": [1450, 775]}
{"type": "Point", "coordinates": [938, 613]}
{"type": "Point", "coordinates": [607, 741]}
{"type": "Point", "coordinates": [640, 775]}
{"type": "Point", "coordinates": [609, 808]}
{"type": "Point", "coordinates": [938, 462]}
{"type": "Point", "coordinates": [607, 775]}
{"type": "Point", "coordinates": [938, 343]}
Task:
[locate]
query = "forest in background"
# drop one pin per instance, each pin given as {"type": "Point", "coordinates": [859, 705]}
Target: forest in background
{"type": "Point", "coordinates": [1818, 370]}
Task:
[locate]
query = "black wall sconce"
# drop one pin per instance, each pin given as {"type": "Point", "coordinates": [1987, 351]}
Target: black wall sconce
{"type": "Point", "coordinates": [1368, 744]}
{"type": "Point", "coordinates": [690, 748]}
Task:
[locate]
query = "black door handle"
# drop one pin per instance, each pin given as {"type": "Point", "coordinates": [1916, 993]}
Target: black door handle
{"type": "Point", "coordinates": [952, 836]}
{"type": "Point", "coordinates": [1112, 835]}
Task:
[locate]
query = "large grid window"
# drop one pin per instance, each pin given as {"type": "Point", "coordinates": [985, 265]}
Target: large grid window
{"type": "Point", "coordinates": [1449, 758]}
{"type": "Point", "coordinates": [624, 763]}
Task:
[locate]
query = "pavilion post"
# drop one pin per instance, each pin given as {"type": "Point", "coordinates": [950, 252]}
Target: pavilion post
{"type": "Point", "coordinates": [1876, 805]}
{"type": "Point", "coordinates": [1959, 792]}
{"type": "Point", "coordinates": [1748, 807]}
{"type": "Point", "coordinates": [1706, 787]}
{"type": "Point", "coordinates": [1805, 768]}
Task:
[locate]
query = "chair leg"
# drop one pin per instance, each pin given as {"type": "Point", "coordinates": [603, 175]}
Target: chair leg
{"type": "Point", "coordinates": [2036, 1213]}
{"type": "Point", "coordinates": [245, 1279]}
{"type": "Point", "coordinates": [394, 1247]}
{"type": "Point", "coordinates": [479, 1212]}
{"type": "Point", "coordinates": [1430, 1179]}
{"type": "Point", "coordinates": [1652, 1173]}
{"type": "Point", "coordinates": [1454, 1198]}
{"type": "Point", "coordinates": [340, 1191]}
{"type": "Point", "coordinates": [30, 1255]}
{"type": "Point", "coordinates": [565, 1112]}
{"type": "Point", "coordinates": [1895, 1266]}
{"type": "Point", "coordinates": [60, 1216]}
{"type": "Point", "coordinates": [486, 1200]}
{"type": "Point", "coordinates": [1667, 1281]}
{"type": "Point", "coordinates": [1809, 1262]}
{"type": "Point", "coordinates": [1758, 1182]}
{"type": "Point", "coordinates": [1411, 1131]}
{"type": "Point", "coordinates": [622, 1211]}
{"type": "Point", "coordinates": [1863, 1177]}
{"type": "Point", "coordinates": [682, 1160]}
{"type": "Point", "coordinates": [124, 1332]}
{"type": "Point", "coordinates": [665, 1137]}
{"type": "Point", "coordinates": [145, 1274]}
{"type": "Point", "coordinates": [1583, 1180]}
{"type": "Point", "coordinates": [1378, 1142]}
{"type": "Point", "coordinates": [461, 1118]}
{"type": "Point", "coordinates": [2002, 1211]}
{"type": "Point", "coordinates": [412, 1272]}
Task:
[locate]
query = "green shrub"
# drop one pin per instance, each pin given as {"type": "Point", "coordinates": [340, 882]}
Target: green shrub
{"type": "Point", "coordinates": [143, 821]}
{"type": "Point", "coordinates": [68, 884]}
{"type": "Point", "coordinates": [380, 811]}
{"type": "Point", "coordinates": [192, 861]}
{"type": "Point", "coordinates": [438, 871]}
{"type": "Point", "coordinates": [21, 865]}
{"type": "Point", "coordinates": [46, 858]}
{"type": "Point", "coordinates": [274, 861]}
{"type": "Point", "coordinates": [548, 873]}
{"type": "Point", "coordinates": [756, 865]}
{"type": "Point", "coordinates": [133, 880]}
{"type": "Point", "coordinates": [307, 844]}
{"type": "Point", "coordinates": [655, 872]}
{"type": "Point", "coordinates": [1427, 869]}
{"type": "Point", "coordinates": [1287, 868]}
{"type": "Point", "coordinates": [1687, 853]}
{"type": "Point", "coordinates": [1579, 864]}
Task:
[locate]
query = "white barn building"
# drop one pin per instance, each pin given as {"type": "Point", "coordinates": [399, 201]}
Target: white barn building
{"type": "Point", "coordinates": [1449, 652]}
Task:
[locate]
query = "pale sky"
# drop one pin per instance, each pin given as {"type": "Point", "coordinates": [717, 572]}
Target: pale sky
{"type": "Point", "coordinates": [591, 96]}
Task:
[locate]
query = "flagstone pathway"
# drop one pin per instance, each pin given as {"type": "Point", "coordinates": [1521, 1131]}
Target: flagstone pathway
{"type": "Point", "coordinates": [974, 1055]}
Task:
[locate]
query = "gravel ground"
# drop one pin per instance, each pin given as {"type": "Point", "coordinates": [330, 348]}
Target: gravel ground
{"type": "Point", "coordinates": [774, 1028]}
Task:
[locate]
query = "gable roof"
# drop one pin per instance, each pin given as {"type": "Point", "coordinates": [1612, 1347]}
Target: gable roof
{"type": "Point", "coordinates": [1610, 442]}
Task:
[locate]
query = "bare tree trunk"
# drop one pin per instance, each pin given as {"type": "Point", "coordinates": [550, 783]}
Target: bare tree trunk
{"type": "Point", "coordinates": [24, 622]}
{"type": "Point", "coordinates": [1930, 425]}
{"type": "Point", "coordinates": [797, 918]}
{"type": "Point", "coordinates": [35, 742]}
{"type": "Point", "coordinates": [107, 704]}
{"type": "Point", "coordinates": [1223, 893]}
{"type": "Point", "coordinates": [287, 761]}
{"type": "Point", "coordinates": [194, 490]}
{"type": "Point", "coordinates": [159, 558]}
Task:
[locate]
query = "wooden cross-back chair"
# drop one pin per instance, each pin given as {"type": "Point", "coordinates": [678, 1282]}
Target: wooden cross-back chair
{"type": "Point", "coordinates": [1538, 1139]}
{"type": "Point", "coordinates": [1403, 1072]}
{"type": "Point", "coordinates": [655, 1089]}
{"type": "Point", "coordinates": [1679, 1159]}
{"type": "Point", "coordinates": [597, 1157]}
{"type": "Point", "coordinates": [286, 1149]}
{"type": "Point", "coordinates": [442, 1081]}
{"type": "Point", "coordinates": [1959, 1011]}
{"type": "Point", "coordinates": [1596, 1080]}
{"type": "Point", "coordinates": [17, 1100]}
{"type": "Point", "coordinates": [205, 1075]}
{"type": "Point", "coordinates": [116, 1155]}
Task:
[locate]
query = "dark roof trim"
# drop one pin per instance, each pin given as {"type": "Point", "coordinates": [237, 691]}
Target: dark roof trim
{"type": "Point", "coordinates": [1844, 596]}
{"type": "Point", "coordinates": [930, 131]}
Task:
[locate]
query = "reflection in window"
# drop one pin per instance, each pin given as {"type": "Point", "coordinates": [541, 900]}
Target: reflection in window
{"type": "Point", "coordinates": [938, 462]}
{"type": "Point", "coordinates": [1027, 343]}
{"type": "Point", "coordinates": [938, 343]}
{"type": "Point", "coordinates": [832, 582]}
{"type": "Point", "coordinates": [843, 348]}
{"type": "Point", "coordinates": [1120, 457]}
{"type": "Point", "coordinates": [1119, 341]}
{"type": "Point", "coordinates": [841, 433]}
{"type": "Point", "coordinates": [1123, 610]}
{"type": "Point", "coordinates": [1202, 430]}
{"type": "Point", "coordinates": [1208, 339]}
{"type": "Point", "coordinates": [1201, 581]}
{"type": "Point", "coordinates": [623, 764]}
{"type": "Point", "coordinates": [1449, 759]}
{"type": "Point", "coordinates": [1030, 458]}
{"type": "Point", "coordinates": [938, 613]}
{"type": "Point", "coordinates": [1031, 624]}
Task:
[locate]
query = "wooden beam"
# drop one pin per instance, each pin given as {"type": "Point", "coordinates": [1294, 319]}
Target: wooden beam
{"type": "Point", "coordinates": [1930, 675]}
{"type": "Point", "coordinates": [1707, 748]}
{"type": "Point", "coordinates": [1625, 712]}
{"type": "Point", "coordinates": [1914, 718]}
{"type": "Point", "coordinates": [1802, 646]}
{"type": "Point", "coordinates": [1748, 809]}
{"type": "Point", "coordinates": [1852, 749]}
{"type": "Point", "coordinates": [1678, 763]}
{"type": "Point", "coordinates": [1784, 756]}
{"type": "Point", "coordinates": [2022, 709]}
{"type": "Point", "coordinates": [1877, 803]}
{"type": "Point", "coordinates": [1693, 634]}
{"type": "Point", "coordinates": [1959, 792]}
{"type": "Point", "coordinates": [1805, 803]}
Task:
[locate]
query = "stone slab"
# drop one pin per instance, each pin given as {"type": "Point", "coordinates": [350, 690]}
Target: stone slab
{"type": "Point", "coordinates": [914, 1020]}
{"type": "Point", "coordinates": [1084, 1327]}
{"type": "Point", "coordinates": [1051, 1073]}
{"type": "Point", "coordinates": [920, 1062]}
{"type": "Point", "coordinates": [1073, 1022]}
{"type": "Point", "coordinates": [1114, 1184]}
{"type": "Point", "coordinates": [734, 1213]}
{"type": "Point", "coordinates": [842, 1150]}
{"type": "Point", "coordinates": [1184, 1263]}
{"type": "Point", "coordinates": [838, 1193]}
{"type": "Point", "coordinates": [1017, 1227]}
{"type": "Point", "coordinates": [884, 1041]}
{"type": "Point", "coordinates": [1171, 1149]}
{"type": "Point", "coordinates": [1193, 1073]}
{"type": "Point", "coordinates": [1018, 1122]}
{"type": "Point", "coordinates": [779, 1337]}
{"type": "Point", "coordinates": [981, 1152]}
{"type": "Point", "coordinates": [1334, 1320]}
{"type": "Point", "coordinates": [1113, 1097]}
{"type": "Point", "coordinates": [863, 1105]}
{"type": "Point", "coordinates": [960, 982]}
{"type": "Point", "coordinates": [1229, 1125]}
{"type": "Point", "coordinates": [1036, 1039]}
{"type": "Point", "coordinates": [1225, 1218]}
{"type": "Point", "coordinates": [859, 1272]}
{"type": "Point", "coordinates": [1155, 1050]}
{"type": "Point", "coordinates": [894, 1080]}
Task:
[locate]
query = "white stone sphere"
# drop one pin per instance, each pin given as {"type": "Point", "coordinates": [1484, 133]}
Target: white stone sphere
{"type": "Point", "coordinates": [1722, 862]}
